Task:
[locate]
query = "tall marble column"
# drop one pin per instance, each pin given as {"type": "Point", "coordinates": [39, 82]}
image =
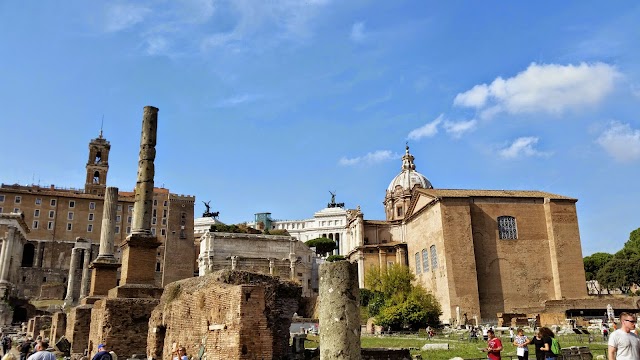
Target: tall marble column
{"type": "Point", "coordinates": [139, 248]}
{"type": "Point", "coordinates": [75, 262]}
{"type": "Point", "coordinates": [108, 229]}
{"type": "Point", "coordinates": [104, 275]}
{"type": "Point", "coordinates": [146, 171]}
{"type": "Point", "coordinates": [7, 248]}
{"type": "Point", "coordinates": [84, 285]}
{"type": "Point", "coordinates": [37, 259]}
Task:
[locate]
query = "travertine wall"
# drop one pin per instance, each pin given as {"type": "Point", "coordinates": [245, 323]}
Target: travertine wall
{"type": "Point", "coordinates": [227, 315]}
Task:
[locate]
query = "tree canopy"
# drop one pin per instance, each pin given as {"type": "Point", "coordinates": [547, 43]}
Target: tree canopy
{"type": "Point", "coordinates": [322, 245]}
{"type": "Point", "coordinates": [396, 302]}
{"type": "Point", "coordinates": [618, 271]}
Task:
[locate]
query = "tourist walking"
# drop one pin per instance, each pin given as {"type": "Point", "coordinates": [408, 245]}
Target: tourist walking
{"type": "Point", "coordinates": [548, 337]}
{"type": "Point", "coordinates": [624, 344]}
{"type": "Point", "coordinates": [41, 352]}
{"type": "Point", "coordinates": [6, 344]}
{"type": "Point", "coordinates": [494, 346]}
{"type": "Point", "coordinates": [538, 343]}
{"type": "Point", "coordinates": [521, 341]}
{"type": "Point", "coordinates": [102, 353]}
{"type": "Point", "coordinates": [25, 349]}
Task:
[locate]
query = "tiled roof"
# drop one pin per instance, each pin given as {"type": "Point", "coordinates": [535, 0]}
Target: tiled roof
{"type": "Point", "coordinates": [442, 193]}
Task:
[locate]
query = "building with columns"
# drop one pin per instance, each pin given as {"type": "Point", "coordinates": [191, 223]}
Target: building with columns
{"type": "Point", "coordinates": [63, 219]}
{"type": "Point", "coordinates": [478, 251]}
{"type": "Point", "coordinates": [329, 222]}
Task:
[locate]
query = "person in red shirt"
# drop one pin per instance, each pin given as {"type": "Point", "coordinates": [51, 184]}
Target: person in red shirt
{"type": "Point", "coordinates": [494, 346]}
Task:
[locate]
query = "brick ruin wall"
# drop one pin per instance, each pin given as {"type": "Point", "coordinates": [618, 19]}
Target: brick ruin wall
{"type": "Point", "coordinates": [225, 315]}
{"type": "Point", "coordinates": [122, 324]}
{"type": "Point", "coordinates": [78, 324]}
{"type": "Point", "coordinates": [58, 327]}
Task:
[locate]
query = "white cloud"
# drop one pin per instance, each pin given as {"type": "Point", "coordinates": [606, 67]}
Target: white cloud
{"type": "Point", "coordinates": [523, 146]}
{"type": "Point", "coordinates": [357, 32]}
{"type": "Point", "coordinates": [457, 128]}
{"type": "Point", "coordinates": [236, 100]}
{"type": "Point", "coordinates": [371, 158]}
{"type": "Point", "coordinates": [543, 88]}
{"type": "Point", "coordinates": [621, 142]}
{"type": "Point", "coordinates": [123, 16]}
{"type": "Point", "coordinates": [427, 130]}
{"type": "Point", "coordinates": [157, 45]}
{"type": "Point", "coordinates": [476, 97]}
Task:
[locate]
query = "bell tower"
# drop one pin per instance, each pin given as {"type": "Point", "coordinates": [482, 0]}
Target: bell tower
{"type": "Point", "coordinates": [97, 166]}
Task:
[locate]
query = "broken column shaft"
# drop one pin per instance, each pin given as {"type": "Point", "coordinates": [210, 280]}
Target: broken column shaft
{"type": "Point", "coordinates": [339, 311]}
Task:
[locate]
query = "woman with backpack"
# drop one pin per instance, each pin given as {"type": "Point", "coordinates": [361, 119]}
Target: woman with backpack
{"type": "Point", "coordinates": [551, 346]}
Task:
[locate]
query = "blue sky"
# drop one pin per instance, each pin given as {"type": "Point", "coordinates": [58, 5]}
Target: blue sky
{"type": "Point", "coordinates": [269, 105]}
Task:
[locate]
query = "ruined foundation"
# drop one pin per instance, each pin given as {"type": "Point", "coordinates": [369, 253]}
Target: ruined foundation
{"type": "Point", "coordinates": [225, 315]}
{"type": "Point", "coordinates": [339, 311]}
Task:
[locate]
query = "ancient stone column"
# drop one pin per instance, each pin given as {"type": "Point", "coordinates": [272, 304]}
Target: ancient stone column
{"type": "Point", "coordinates": [75, 262]}
{"type": "Point", "coordinates": [105, 266]}
{"type": "Point", "coordinates": [271, 266]}
{"type": "Point", "coordinates": [108, 228]}
{"type": "Point", "coordinates": [360, 259]}
{"type": "Point", "coordinates": [6, 254]}
{"type": "Point", "coordinates": [84, 285]}
{"type": "Point", "coordinates": [146, 170]}
{"type": "Point", "coordinates": [339, 311]}
{"type": "Point", "coordinates": [37, 260]}
{"type": "Point", "coordinates": [139, 249]}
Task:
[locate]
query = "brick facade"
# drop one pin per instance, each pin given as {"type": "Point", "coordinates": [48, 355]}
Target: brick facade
{"type": "Point", "coordinates": [226, 315]}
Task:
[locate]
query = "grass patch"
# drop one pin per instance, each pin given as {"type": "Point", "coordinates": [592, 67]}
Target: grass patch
{"type": "Point", "coordinates": [457, 347]}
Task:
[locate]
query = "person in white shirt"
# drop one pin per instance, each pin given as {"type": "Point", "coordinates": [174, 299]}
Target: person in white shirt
{"type": "Point", "coordinates": [42, 353]}
{"type": "Point", "coordinates": [624, 344]}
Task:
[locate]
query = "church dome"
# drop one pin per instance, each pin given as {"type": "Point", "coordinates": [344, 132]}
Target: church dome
{"type": "Point", "coordinates": [409, 177]}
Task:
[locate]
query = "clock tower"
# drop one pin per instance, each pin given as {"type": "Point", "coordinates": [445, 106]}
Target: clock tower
{"type": "Point", "coordinates": [97, 166]}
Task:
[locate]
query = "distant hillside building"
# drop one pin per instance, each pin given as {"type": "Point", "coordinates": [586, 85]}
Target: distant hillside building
{"type": "Point", "coordinates": [481, 252]}
{"type": "Point", "coordinates": [56, 216]}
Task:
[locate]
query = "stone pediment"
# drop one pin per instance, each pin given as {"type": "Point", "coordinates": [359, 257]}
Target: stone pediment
{"type": "Point", "coordinates": [419, 202]}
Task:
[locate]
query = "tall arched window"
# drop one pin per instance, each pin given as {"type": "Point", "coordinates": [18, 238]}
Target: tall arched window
{"type": "Point", "coordinates": [418, 267]}
{"type": "Point", "coordinates": [425, 260]}
{"type": "Point", "coordinates": [507, 227]}
{"type": "Point", "coordinates": [434, 257]}
{"type": "Point", "coordinates": [28, 253]}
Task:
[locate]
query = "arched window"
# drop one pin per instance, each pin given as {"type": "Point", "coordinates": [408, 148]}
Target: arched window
{"type": "Point", "coordinates": [425, 260]}
{"type": "Point", "coordinates": [98, 157]}
{"type": "Point", "coordinates": [28, 253]}
{"type": "Point", "coordinates": [434, 257]}
{"type": "Point", "coordinates": [507, 227]}
{"type": "Point", "coordinates": [418, 268]}
{"type": "Point", "coordinates": [96, 177]}
{"type": "Point", "coordinates": [337, 237]}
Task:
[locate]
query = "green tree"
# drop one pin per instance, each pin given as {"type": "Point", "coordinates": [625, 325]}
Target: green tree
{"type": "Point", "coordinates": [595, 262]}
{"type": "Point", "coordinates": [633, 244]}
{"type": "Point", "coordinates": [397, 303]}
{"type": "Point", "coordinates": [322, 245]}
{"type": "Point", "coordinates": [619, 274]}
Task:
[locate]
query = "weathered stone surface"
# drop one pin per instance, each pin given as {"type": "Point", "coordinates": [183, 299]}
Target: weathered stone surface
{"type": "Point", "coordinates": [58, 326]}
{"type": "Point", "coordinates": [339, 311]}
{"type": "Point", "coordinates": [122, 324]}
{"type": "Point", "coordinates": [435, 346]}
{"type": "Point", "coordinates": [78, 324]}
{"type": "Point", "coordinates": [225, 315]}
